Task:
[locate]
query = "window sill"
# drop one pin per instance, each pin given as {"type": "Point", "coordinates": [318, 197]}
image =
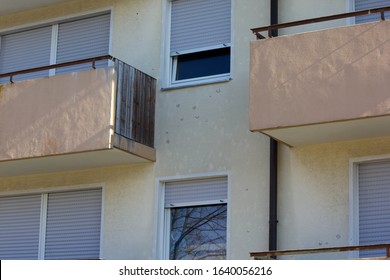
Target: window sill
{"type": "Point", "coordinates": [198, 82]}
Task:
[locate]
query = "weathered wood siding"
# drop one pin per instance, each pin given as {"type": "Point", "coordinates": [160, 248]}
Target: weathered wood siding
{"type": "Point", "coordinates": [135, 110]}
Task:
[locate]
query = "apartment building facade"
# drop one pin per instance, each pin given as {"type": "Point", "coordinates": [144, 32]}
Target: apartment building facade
{"type": "Point", "coordinates": [137, 136]}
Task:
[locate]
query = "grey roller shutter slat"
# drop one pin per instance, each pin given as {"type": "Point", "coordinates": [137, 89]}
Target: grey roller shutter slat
{"type": "Point", "coordinates": [374, 205]}
{"type": "Point", "coordinates": [195, 191]}
{"type": "Point", "coordinates": [199, 24]}
{"type": "Point", "coordinates": [73, 225]}
{"type": "Point", "coordinates": [370, 4]}
{"type": "Point", "coordinates": [19, 227]}
{"type": "Point", "coordinates": [84, 38]}
{"type": "Point", "coordinates": [24, 50]}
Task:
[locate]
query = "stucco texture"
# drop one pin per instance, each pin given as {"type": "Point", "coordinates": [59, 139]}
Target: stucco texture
{"type": "Point", "coordinates": [326, 76]}
{"type": "Point", "coordinates": [314, 189]}
{"type": "Point", "coordinates": [56, 115]}
{"type": "Point", "coordinates": [127, 204]}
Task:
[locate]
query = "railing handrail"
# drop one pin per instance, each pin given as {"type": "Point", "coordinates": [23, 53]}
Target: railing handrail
{"type": "Point", "coordinates": [322, 250]}
{"type": "Point", "coordinates": [270, 28]}
{"type": "Point", "coordinates": [58, 65]}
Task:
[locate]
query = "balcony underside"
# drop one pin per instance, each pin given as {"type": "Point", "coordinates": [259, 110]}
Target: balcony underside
{"type": "Point", "coordinates": [124, 152]}
{"type": "Point", "coordinates": [323, 86]}
{"type": "Point", "coordinates": [331, 132]}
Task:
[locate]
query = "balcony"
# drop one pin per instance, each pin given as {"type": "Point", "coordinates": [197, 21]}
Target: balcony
{"type": "Point", "coordinates": [86, 119]}
{"type": "Point", "coordinates": [323, 86]}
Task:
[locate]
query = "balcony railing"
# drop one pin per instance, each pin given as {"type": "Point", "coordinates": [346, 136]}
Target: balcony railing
{"type": "Point", "coordinates": [135, 93]}
{"type": "Point", "coordinates": [323, 86]}
{"type": "Point", "coordinates": [271, 28]}
{"type": "Point", "coordinates": [273, 254]}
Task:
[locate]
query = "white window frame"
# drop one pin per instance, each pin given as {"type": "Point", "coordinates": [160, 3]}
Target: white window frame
{"type": "Point", "coordinates": [354, 197]}
{"type": "Point", "coordinates": [349, 8]}
{"type": "Point", "coordinates": [44, 192]}
{"type": "Point", "coordinates": [162, 221]}
{"type": "Point", "coordinates": [169, 62]}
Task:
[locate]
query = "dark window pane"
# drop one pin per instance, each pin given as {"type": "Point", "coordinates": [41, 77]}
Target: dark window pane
{"type": "Point", "coordinates": [203, 64]}
{"type": "Point", "coordinates": [198, 233]}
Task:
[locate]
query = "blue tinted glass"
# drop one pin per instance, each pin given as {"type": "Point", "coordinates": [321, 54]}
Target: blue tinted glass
{"type": "Point", "coordinates": [202, 64]}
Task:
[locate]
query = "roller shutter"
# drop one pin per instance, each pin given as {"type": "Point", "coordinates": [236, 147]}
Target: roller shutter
{"type": "Point", "coordinates": [195, 192]}
{"type": "Point", "coordinates": [57, 225]}
{"type": "Point", "coordinates": [20, 227]}
{"type": "Point", "coordinates": [199, 24]}
{"type": "Point", "coordinates": [84, 38]}
{"type": "Point", "coordinates": [25, 50]}
{"type": "Point", "coordinates": [371, 4]}
{"type": "Point", "coordinates": [73, 225]}
{"type": "Point", "coordinates": [374, 205]}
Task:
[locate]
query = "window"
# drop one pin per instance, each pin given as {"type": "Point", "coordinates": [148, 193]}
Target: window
{"type": "Point", "coordinates": [200, 41]}
{"type": "Point", "coordinates": [56, 225]}
{"type": "Point", "coordinates": [56, 43]}
{"type": "Point", "coordinates": [196, 219]}
{"type": "Point", "coordinates": [81, 39]}
{"type": "Point", "coordinates": [24, 50]}
{"type": "Point", "coordinates": [372, 205]}
{"type": "Point", "coordinates": [365, 5]}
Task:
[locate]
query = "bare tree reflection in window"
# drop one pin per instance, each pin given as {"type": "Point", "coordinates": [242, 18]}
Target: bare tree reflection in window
{"type": "Point", "coordinates": [198, 232]}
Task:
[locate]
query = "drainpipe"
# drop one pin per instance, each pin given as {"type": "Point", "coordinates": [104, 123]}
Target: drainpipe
{"type": "Point", "coordinates": [273, 201]}
{"type": "Point", "coordinates": [274, 16]}
{"type": "Point", "coordinates": [273, 174]}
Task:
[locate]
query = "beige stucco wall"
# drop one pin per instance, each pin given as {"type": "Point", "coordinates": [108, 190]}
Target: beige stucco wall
{"type": "Point", "coordinates": [199, 130]}
{"type": "Point", "coordinates": [136, 34]}
{"type": "Point", "coordinates": [306, 9]}
{"type": "Point", "coordinates": [57, 115]}
{"type": "Point", "coordinates": [203, 130]}
{"type": "Point", "coordinates": [49, 12]}
{"type": "Point", "coordinates": [128, 191]}
{"type": "Point", "coordinates": [314, 189]}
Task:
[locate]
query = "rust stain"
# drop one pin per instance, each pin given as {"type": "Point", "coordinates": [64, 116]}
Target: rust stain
{"type": "Point", "coordinates": [51, 146]}
{"type": "Point", "coordinates": [1, 90]}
